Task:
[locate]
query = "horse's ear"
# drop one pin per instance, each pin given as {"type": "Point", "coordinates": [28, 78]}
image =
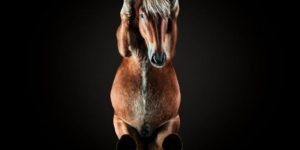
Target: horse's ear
{"type": "Point", "coordinates": [172, 142]}
{"type": "Point", "coordinates": [174, 3]}
{"type": "Point", "coordinates": [175, 6]}
{"type": "Point", "coordinates": [126, 143]}
{"type": "Point", "coordinates": [124, 34]}
{"type": "Point", "coordinates": [128, 8]}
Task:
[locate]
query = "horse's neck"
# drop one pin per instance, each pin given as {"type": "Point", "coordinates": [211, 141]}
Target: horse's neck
{"type": "Point", "coordinates": [141, 59]}
{"type": "Point", "coordinates": [143, 64]}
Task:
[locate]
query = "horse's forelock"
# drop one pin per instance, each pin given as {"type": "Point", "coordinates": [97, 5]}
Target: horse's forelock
{"type": "Point", "coordinates": [157, 7]}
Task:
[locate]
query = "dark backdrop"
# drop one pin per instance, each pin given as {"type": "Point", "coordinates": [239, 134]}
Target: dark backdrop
{"type": "Point", "coordinates": [228, 62]}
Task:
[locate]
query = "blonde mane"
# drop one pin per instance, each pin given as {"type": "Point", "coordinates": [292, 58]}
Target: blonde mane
{"type": "Point", "coordinates": [157, 7]}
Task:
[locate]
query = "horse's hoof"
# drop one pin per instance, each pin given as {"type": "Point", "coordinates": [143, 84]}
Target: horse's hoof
{"type": "Point", "coordinates": [172, 142]}
{"type": "Point", "coordinates": [126, 143]}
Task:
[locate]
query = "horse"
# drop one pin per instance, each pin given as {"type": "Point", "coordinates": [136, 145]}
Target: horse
{"type": "Point", "coordinates": [145, 94]}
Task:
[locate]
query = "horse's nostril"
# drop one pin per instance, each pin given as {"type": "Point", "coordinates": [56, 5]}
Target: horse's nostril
{"type": "Point", "coordinates": [158, 58]}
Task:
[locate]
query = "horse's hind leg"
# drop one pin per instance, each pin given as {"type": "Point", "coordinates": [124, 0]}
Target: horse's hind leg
{"type": "Point", "coordinates": [169, 128]}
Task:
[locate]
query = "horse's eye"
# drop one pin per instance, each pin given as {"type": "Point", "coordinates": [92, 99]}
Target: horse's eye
{"type": "Point", "coordinates": [142, 16]}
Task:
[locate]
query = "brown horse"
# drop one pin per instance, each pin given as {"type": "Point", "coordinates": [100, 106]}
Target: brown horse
{"type": "Point", "coordinates": [145, 94]}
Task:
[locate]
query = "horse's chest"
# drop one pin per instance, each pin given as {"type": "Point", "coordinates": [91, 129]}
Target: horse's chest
{"type": "Point", "coordinates": [145, 97]}
{"type": "Point", "coordinates": [140, 98]}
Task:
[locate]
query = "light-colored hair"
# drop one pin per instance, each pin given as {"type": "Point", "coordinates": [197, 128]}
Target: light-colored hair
{"type": "Point", "coordinates": [157, 7]}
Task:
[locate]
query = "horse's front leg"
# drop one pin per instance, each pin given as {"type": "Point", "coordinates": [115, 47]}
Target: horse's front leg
{"type": "Point", "coordinates": [167, 137]}
{"type": "Point", "coordinates": [120, 127]}
{"type": "Point", "coordinates": [128, 136]}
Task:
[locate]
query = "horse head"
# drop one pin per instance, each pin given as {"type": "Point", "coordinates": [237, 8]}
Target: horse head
{"type": "Point", "coordinates": [149, 28]}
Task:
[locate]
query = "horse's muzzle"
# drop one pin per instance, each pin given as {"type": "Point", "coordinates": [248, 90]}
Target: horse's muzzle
{"type": "Point", "coordinates": [158, 59]}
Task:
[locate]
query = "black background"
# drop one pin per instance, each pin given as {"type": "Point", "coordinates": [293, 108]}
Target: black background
{"type": "Point", "coordinates": [229, 64]}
